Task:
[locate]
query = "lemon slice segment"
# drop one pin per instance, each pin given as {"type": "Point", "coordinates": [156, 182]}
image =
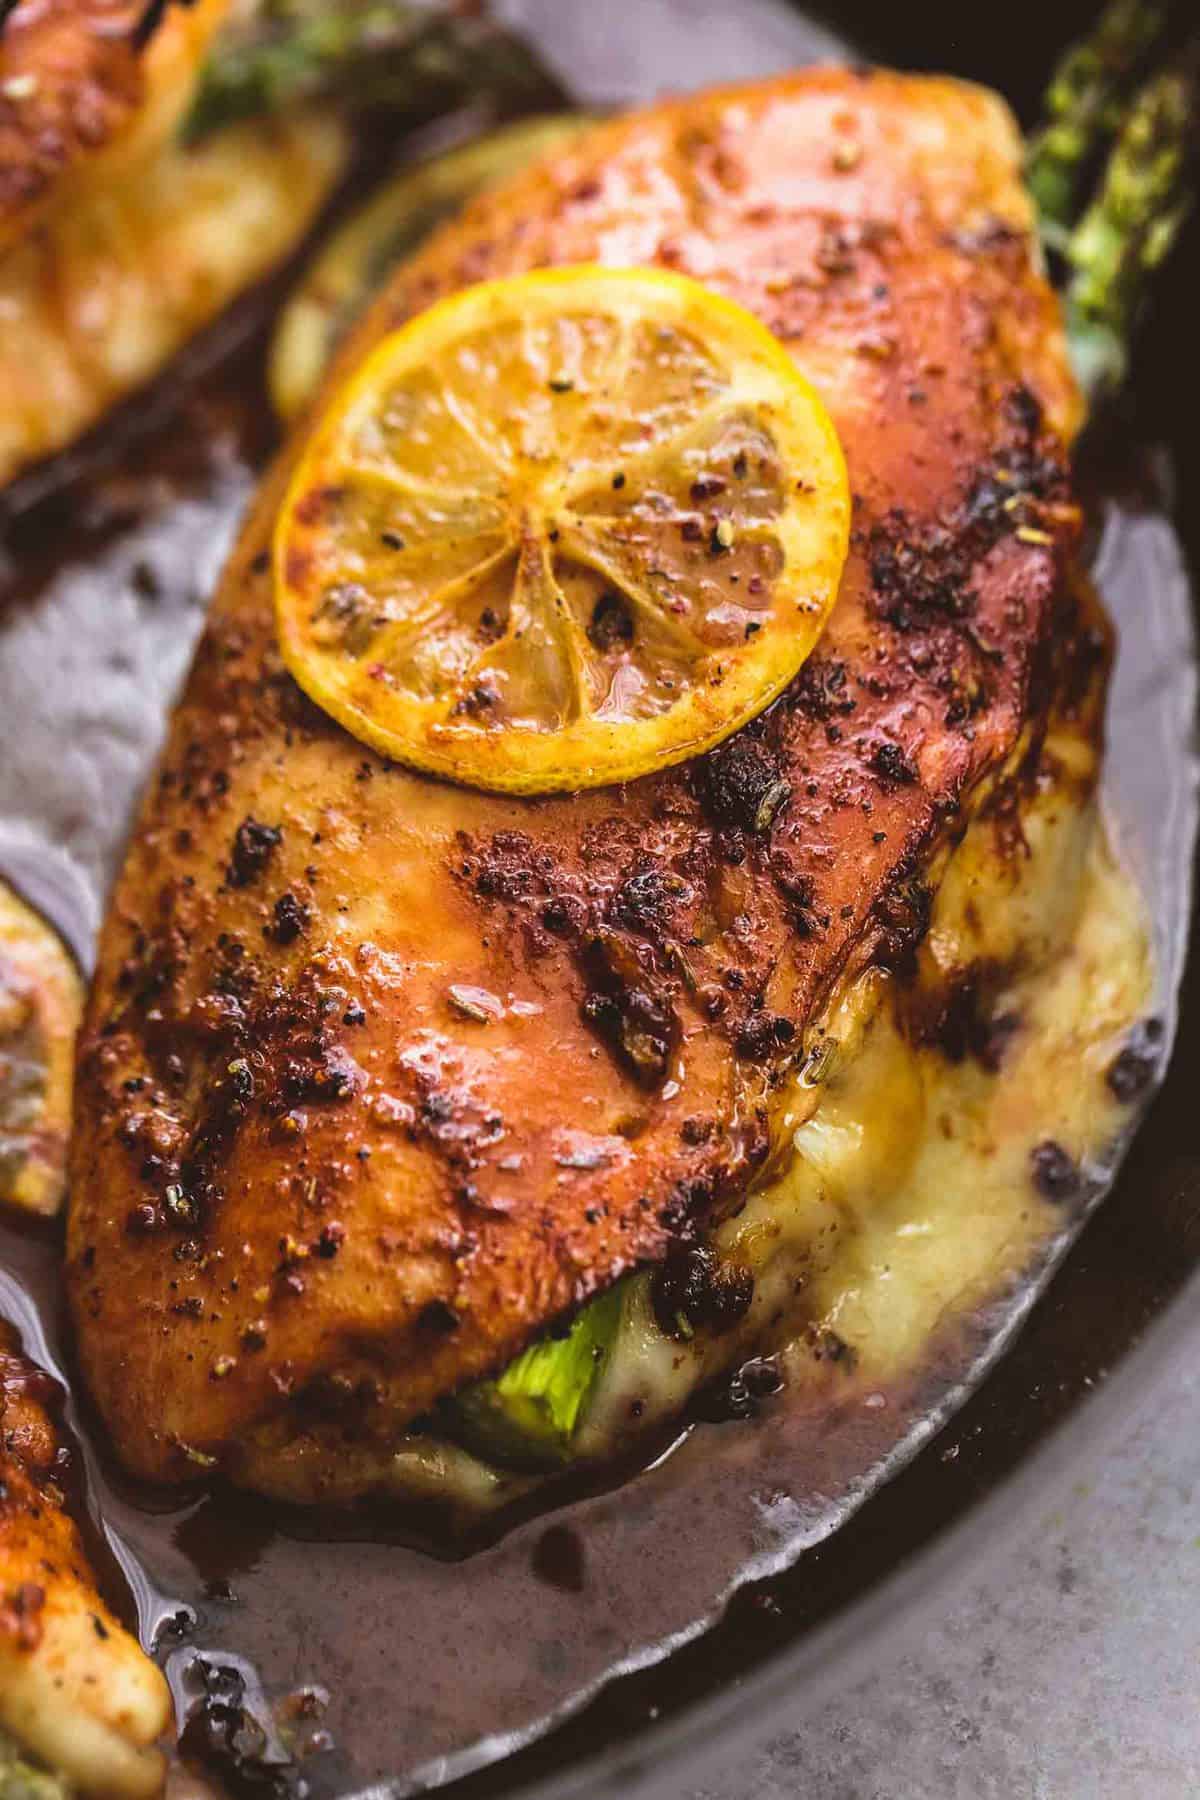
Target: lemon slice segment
{"type": "Point", "coordinates": [560, 530]}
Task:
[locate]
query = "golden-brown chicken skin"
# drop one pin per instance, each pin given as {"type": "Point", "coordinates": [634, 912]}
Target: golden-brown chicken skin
{"type": "Point", "coordinates": [119, 239]}
{"type": "Point", "coordinates": [76, 1693]}
{"type": "Point", "coordinates": [82, 78]}
{"type": "Point", "coordinates": [380, 1076]}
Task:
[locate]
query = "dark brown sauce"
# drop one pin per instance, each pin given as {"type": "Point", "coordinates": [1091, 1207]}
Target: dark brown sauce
{"type": "Point", "coordinates": [438, 1659]}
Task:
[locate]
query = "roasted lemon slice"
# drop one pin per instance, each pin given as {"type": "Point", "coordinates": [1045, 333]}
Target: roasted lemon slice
{"type": "Point", "coordinates": [561, 530]}
{"type": "Point", "coordinates": [41, 999]}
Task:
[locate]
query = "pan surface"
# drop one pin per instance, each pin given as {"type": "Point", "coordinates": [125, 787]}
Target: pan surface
{"type": "Point", "coordinates": [436, 1667]}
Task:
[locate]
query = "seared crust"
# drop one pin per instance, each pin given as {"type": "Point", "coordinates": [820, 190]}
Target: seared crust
{"type": "Point", "coordinates": [305, 1169]}
{"type": "Point", "coordinates": [75, 80]}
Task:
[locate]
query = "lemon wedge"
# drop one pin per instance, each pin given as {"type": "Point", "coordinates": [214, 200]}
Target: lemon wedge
{"type": "Point", "coordinates": [560, 530]}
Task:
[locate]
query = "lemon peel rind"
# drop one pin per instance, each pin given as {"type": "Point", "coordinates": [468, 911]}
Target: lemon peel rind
{"type": "Point", "coordinates": [590, 752]}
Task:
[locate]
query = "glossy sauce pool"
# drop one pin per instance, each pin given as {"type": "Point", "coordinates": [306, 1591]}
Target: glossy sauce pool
{"type": "Point", "coordinates": [404, 1659]}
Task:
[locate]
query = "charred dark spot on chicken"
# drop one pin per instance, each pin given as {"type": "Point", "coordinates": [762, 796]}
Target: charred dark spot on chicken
{"type": "Point", "coordinates": [630, 1006]}
{"type": "Point", "coordinates": [693, 1291]}
{"type": "Point", "coordinates": [901, 914]}
{"type": "Point", "coordinates": [290, 917]}
{"type": "Point", "coordinates": [821, 691]}
{"type": "Point", "coordinates": [924, 574]}
{"type": "Point", "coordinates": [742, 785]}
{"type": "Point", "coordinates": [253, 846]}
{"type": "Point", "coordinates": [648, 901]}
{"type": "Point", "coordinates": [891, 762]}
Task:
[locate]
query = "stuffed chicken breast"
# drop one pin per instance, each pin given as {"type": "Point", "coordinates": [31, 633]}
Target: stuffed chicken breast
{"type": "Point", "coordinates": [429, 1139]}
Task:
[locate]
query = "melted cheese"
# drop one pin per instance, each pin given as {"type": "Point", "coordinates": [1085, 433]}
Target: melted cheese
{"type": "Point", "coordinates": [900, 1197]}
{"type": "Point", "coordinates": [907, 1200]}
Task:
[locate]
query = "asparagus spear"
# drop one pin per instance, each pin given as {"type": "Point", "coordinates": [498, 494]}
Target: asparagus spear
{"type": "Point", "coordinates": [527, 1417]}
{"type": "Point", "coordinates": [1125, 234]}
{"type": "Point", "coordinates": [1083, 106]}
{"type": "Point", "coordinates": [418, 59]}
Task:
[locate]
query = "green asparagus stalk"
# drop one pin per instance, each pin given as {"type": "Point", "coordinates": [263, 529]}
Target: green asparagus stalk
{"type": "Point", "coordinates": [416, 59]}
{"type": "Point", "coordinates": [1125, 234]}
{"type": "Point", "coordinates": [527, 1417]}
{"type": "Point", "coordinates": [1083, 107]}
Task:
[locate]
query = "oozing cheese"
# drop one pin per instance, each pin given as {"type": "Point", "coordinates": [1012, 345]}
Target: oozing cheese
{"type": "Point", "coordinates": [908, 1198]}
{"type": "Point", "coordinates": [901, 1195]}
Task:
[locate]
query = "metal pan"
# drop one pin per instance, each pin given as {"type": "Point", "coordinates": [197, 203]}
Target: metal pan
{"type": "Point", "coordinates": [796, 1622]}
